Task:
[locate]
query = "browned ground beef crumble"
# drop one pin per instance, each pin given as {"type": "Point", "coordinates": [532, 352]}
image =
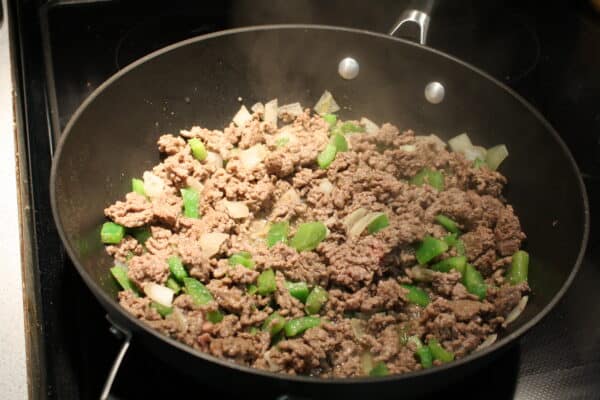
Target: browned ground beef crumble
{"type": "Point", "coordinates": [363, 276]}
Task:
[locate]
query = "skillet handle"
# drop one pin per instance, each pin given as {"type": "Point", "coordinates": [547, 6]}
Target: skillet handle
{"type": "Point", "coordinates": [418, 15]}
{"type": "Point", "coordinates": [125, 336]}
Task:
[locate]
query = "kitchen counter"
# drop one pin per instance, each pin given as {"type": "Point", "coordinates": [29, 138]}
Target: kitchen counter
{"type": "Point", "coordinates": [13, 360]}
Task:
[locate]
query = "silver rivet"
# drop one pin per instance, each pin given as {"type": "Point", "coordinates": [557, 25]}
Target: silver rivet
{"type": "Point", "coordinates": [434, 92]}
{"type": "Point", "coordinates": [348, 68]}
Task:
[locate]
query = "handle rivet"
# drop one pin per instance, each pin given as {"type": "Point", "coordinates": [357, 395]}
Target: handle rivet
{"type": "Point", "coordinates": [348, 68]}
{"type": "Point", "coordinates": [434, 92]}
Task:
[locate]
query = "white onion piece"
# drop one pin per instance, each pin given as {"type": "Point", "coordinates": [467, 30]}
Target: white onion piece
{"type": "Point", "coordinates": [495, 155]}
{"type": "Point", "coordinates": [194, 183]}
{"type": "Point", "coordinates": [362, 224]}
{"type": "Point", "coordinates": [421, 274]}
{"type": "Point", "coordinates": [258, 108]}
{"type": "Point", "coordinates": [258, 229]}
{"type": "Point", "coordinates": [326, 104]}
{"type": "Point", "coordinates": [270, 116]}
{"type": "Point", "coordinates": [516, 312]}
{"type": "Point", "coordinates": [408, 148]}
{"type": "Point", "coordinates": [236, 209]}
{"type": "Point", "coordinates": [475, 152]}
{"type": "Point", "coordinates": [358, 327]}
{"type": "Point", "coordinates": [366, 362]}
{"type": "Point", "coordinates": [273, 366]}
{"type": "Point", "coordinates": [214, 159]}
{"type": "Point", "coordinates": [460, 143]}
{"type": "Point", "coordinates": [370, 126]}
{"type": "Point", "coordinates": [326, 186]}
{"type": "Point", "coordinates": [121, 265]}
{"type": "Point", "coordinates": [160, 294]}
{"type": "Point", "coordinates": [253, 156]}
{"type": "Point", "coordinates": [293, 109]}
{"type": "Point", "coordinates": [242, 117]}
{"type": "Point", "coordinates": [352, 218]}
{"type": "Point", "coordinates": [153, 185]}
{"type": "Point", "coordinates": [210, 243]}
{"type": "Point", "coordinates": [179, 319]}
{"type": "Point", "coordinates": [490, 340]}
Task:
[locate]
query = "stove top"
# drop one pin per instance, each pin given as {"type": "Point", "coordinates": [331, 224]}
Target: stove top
{"type": "Point", "coordinates": [67, 48]}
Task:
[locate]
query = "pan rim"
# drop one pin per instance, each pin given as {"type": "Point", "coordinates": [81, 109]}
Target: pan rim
{"type": "Point", "coordinates": [496, 347]}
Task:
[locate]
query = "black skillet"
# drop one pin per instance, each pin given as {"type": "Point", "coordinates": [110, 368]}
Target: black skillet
{"type": "Point", "coordinates": [112, 137]}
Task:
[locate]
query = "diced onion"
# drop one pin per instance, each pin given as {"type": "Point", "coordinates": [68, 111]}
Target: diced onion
{"type": "Point", "coordinates": [475, 152]}
{"type": "Point", "coordinates": [495, 155]}
{"type": "Point", "coordinates": [326, 186]}
{"type": "Point", "coordinates": [362, 224]}
{"type": "Point", "coordinates": [358, 327]}
{"type": "Point", "coordinates": [409, 148]}
{"type": "Point", "coordinates": [516, 312]}
{"type": "Point", "coordinates": [366, 362]}
{"type": "Point", "coordinates": [179, 319]}
{"type": "Point", "coordinates": [273, 366]}
{"type": "Point", "coordinates": [236, 209]}
{"type": "Point", "coordinates": [370, 126]}
{"type": "Point", "coordinates": [258, 108]}
{"type": "Point", "coordinates": [421, 274]}
{"type": "Point", "coordinates": [460, 143]}
{"type": "Point", "coordinates": [210, 243]}
{"type": "Point", "coordinates": [490, 340]}
{"type": "Point", "coordinates": [258, 229]}
{"type": "Point", "coordinates": [293, 109]}
{"type": "Point", "coordinates": [253, 156]}
{"type": "Point", "coordinates": [194, 183]}
{"type": "Point", "coordinates": [160, 294]}
{"type": "Point", "coordinates": [214, 159]}
{"type": "Point", "coordinates": [271, 113]}
{"type": "Point", "coordinates": [352, 218]}
{"type": "Point", "coordinates": [326, 104]}
{"type": "Point", "coordinates": [153, 185]}
{"type": "Point", "coordinates": [242, 117]}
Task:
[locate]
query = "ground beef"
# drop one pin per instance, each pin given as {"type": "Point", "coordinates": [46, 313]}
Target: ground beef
{"type": "Point", "coordinates": [148, 268]}
{"type": "Point", "coordinates": [128, 248]}
{"type": "Point", "coordinates": [369, 312]}
{"type": "Point", "coordinates": [134, 212]}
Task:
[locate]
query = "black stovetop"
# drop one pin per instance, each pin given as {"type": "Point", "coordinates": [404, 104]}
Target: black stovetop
{"type": "Point", "coordinates": [65, 49]}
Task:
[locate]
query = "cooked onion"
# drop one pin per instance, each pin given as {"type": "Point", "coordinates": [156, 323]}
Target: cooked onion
{"type": "Point", "coordinates": [409, 148]}
{"type": "Point", "coordinates": [258, 108]}
{"type": "Point", "coordinates": [370, 126]}
{"type": "Point", "coordinates": [293, 109]}
{"type": "Point", "coordinates": [421, 274]}
{"type": "Point", "coordinates": [516, 312]}
{"type": "Point", "coordinates": [355, 216]}
{"type": "Point", "coordinates": [273, 366]}
{"type": "Point", "coordinates": [366, 362]}
{"type": "Point", "coordinates": [495, 155]}
{"type": "Point", "coordinates": [326, 186]}
{"type": "Point", "coordinates": [236, 209]}
{"type": "Point", "coordinates": [179, 319]}
{"type": "Point", "coordinates": [210, 243]}
{"type": "Point", "coordinates": [475, 152]}
{"type": "Point", "coordinates": [258, 229]}
{"type": "Point", "coordinates": [253, 156]}
{"type": "Point", "coordinates": [242, 117]}
{"type": "Point", "coordinates": [326, 104]}
{"type": "Point", "coordinates": [271, 113]}
{"type": "Point", "coordinates": [358, 327]}
{"type": "Point", "coordinates": [214, 159]}
{"type": "Point", "coordinates": [362, 224]}
{"type": "Point", "coordinates": [490, 340]}
{"type": "Point", "coordinates": [460, 143]}
{"type": "Point", "coordinates": [160, 294]}
{"type": "Point", "coordinates": [194, 184]}
{"type": "Point", "coordinates": [153, 185]}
